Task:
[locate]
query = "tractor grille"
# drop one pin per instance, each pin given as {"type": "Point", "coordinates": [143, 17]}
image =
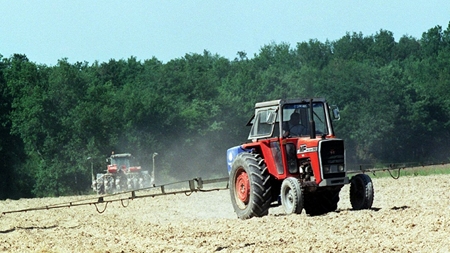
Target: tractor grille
{"type": "Point", "coordinates": [332, 158]}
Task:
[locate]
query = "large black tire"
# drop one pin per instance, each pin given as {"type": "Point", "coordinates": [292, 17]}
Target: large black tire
{"type": "Point", "coordinates": [291, 196]}
{"type": "Point", "coordinates": [250, 186]}
{"type": "Point", "coordinates": [99, 184]}
{"type": "Point", "coordinates": [361, 192]}
{"type": "Point", "coordinates": [321, 202]}
{"type": "Point", "coordinates": [109, 184]}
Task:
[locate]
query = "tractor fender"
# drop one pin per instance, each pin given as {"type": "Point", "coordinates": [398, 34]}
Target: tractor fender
{"type": "Point", "coordinates": [232, 153]}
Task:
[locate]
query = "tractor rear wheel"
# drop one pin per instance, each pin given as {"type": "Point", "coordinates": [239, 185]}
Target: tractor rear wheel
{"type": "Point", "coordinates": [109, 184]}
{"type": "Point", "coordinates": [250, 187]}
{"type": "Point", "coordinates": [361, 192]}
{"type": "Point", "coordinates": [100, 184]}
{"type": "Point", "coordinates": [291, 196]}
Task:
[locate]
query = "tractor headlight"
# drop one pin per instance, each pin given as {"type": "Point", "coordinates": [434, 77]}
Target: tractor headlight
{"type": "Point", "coordinates": [341, 168]}
{"type": "Point", "coordinates": [326, 169]}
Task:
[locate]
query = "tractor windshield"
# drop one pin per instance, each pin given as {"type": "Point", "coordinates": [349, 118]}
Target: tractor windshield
{"type": "Point", "coordinates": [296, 118]}
{"type": "Point", "coordinates": [122, 162]}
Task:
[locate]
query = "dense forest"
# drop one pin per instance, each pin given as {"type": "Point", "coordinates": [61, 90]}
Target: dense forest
{"type": "Point", "coordinates": [393, 96]}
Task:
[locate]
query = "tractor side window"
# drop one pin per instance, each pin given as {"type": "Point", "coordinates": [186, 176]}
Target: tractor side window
{"type": "Point", "coordinates": [263, 124]}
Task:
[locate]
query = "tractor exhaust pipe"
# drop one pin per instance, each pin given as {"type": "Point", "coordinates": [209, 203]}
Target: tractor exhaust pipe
{"type": "Point", "coordinates": [312, 124]}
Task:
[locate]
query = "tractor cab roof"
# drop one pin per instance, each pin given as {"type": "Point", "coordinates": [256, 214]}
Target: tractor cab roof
{"type": "Point", "coordinates": [287, 101]}
{"type": "Point", "coordinates": [121, 155]}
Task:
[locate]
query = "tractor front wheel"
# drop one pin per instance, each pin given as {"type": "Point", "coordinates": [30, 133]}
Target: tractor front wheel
{"type": "Point", "coordinates": [250, 186]}
{"type": "Point", "coordinates": [361, 192]}
{"type": "Point", "coordinates": [291, 196]}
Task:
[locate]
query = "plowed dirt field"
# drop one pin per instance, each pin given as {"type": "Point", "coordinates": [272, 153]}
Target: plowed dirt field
{"type": "Point", "coordinates": [411, 214]}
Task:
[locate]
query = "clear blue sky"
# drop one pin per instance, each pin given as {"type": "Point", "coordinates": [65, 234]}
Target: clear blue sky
{"type": "Point", "coordinates": [89, 30]}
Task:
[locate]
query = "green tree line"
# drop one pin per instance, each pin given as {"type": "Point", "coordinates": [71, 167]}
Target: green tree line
{"type": "Point", "coordinates": [393, 96]}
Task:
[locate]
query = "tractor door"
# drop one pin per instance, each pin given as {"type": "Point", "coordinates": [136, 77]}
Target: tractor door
{"type": "Point", "coordinates": [265, 133]}
{"type": "Point", "coordinates": [263, 124]}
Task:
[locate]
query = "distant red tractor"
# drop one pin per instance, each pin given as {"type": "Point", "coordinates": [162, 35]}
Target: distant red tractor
{"type": "Point", "coordinates": [293, 158]}
{"type": "Point", "coordinates": [120, 176]}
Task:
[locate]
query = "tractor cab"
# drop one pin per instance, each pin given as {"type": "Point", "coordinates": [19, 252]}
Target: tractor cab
{"type": "Point", "coordinates": [121, 175]}
{"type": "Point", "coordinates": [119, 163]}
{"type": "Point", "coordinates": [287, 118]}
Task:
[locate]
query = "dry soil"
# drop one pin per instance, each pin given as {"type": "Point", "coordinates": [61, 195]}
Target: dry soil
{"type": "Point", "coordinates": [411, 214]}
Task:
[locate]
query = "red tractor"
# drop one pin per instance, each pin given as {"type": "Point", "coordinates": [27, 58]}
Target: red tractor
{"type": "Point", "coordinates": [120, 176]}
{"type": "Point", "coordinates": [293, 159]}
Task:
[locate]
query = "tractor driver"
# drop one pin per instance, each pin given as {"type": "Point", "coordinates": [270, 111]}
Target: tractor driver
{"type": "Point", "coordinates": [294, 126]}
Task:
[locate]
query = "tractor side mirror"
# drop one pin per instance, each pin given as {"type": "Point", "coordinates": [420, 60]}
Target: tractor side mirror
{"type": "Point", "coordinates": [335, 112]}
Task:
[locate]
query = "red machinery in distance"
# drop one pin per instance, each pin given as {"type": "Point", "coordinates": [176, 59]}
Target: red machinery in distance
{"type": "Point", "coordinates": [121, 176]}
